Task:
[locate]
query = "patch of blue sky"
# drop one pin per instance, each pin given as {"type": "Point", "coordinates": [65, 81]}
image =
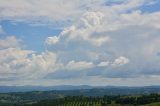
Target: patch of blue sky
{"type": "Point", "coordinates": [32, 36]}
{"type": "Point", "coordinates": [113, 2]}
{"type": "Point", "coordinates": [151, 7]}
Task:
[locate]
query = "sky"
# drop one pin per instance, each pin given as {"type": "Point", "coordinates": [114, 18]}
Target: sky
{"type": "Point", "coordinates": [79, 42]}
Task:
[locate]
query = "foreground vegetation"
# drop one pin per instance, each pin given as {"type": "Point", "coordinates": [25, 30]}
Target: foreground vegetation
{"type": "Point", "coordinates": [116, 100]}
{"type": "Point", "coordinates": [84, 97]}
{"type": "Point", "coordinates": [136, 100]}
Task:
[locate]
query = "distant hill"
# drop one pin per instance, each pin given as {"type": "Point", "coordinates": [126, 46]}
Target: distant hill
{"type": "Point", "coordinates": [7, 89]}
{"type": "Point", "coordinates": [84, 89]}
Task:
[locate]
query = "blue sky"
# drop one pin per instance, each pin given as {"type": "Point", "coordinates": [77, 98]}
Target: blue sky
{"type": "Point", "coordinates": [29, 33]}
{"type": "Point", "coordinates": [95, 42]}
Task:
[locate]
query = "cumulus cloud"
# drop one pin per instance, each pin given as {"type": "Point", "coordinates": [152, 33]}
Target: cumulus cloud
{"type": "Point", "coordinates": [83, 31]}
{"type": "Point", "coordinates": [103, 64]}
{"type": "Point", "coordinates": [13, 61]}
{"type": "Point", "coordinates": [138, 18]}
{"type": "Point", "coordinates": [46, 12]}
{"type": "Point", "coordinates": [55, 12]}
{"type": "Point", "coordinates": [23, 64]}
{"type": "Point", "coordinates": [117, 62]}
{"type": "Point", "coordinates": [100, 37]}
{"type": "Point", "coordinates": [81, 65]}
{"type": "Point", "coordinates": [17, 62]}
{"type": "Point", "coordinates": [9, 41]}
{"type": "Point", "coordinates": [91, 19]}
{"type": "Point", "coordinates": [120, 61]}
{"type": "Point", "coordinates": [52, 40]}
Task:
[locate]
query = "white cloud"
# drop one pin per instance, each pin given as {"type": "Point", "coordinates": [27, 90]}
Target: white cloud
{"type": "Point", "coordinates": [128, 5]}
{"type": "Point", "coordinates": [91, 19]}
{"type": "Point", "coordinates": [117, 62]}
{"type": "Point", "coordinates": [44, 11]}
{"type": "Point", "coordinates": [55, 12]}
{"type": "Point", "coordinates": [16, 62]}
{"type": "Point", "coordinates": [80, 65]}
{"type": "Point", "coordinates": [9, 41]}
{"type": "Point", "coordinates": [42, 64]}
{"type": "Point", "coordinates": [23, 64]}
{"type": "Point", "coordinates": [138, 18]}
{"type": "Point", "coordinates": [120, 61]}
{"type": "Point", "coordinates": [83, 31]}
{"type": "Point", "coordinates": [109, 34]}
{"type": "Point", "coordinates": [12, 59]}
{"type": "Point", "coordinates": [13, 53]}
{"type": "Point", "coordinates": [103, 64]}
{"type": "Point", "coordinates": [52, 40]}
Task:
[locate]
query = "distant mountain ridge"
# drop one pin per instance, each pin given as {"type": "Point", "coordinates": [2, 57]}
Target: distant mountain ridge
{"type": "Point", "coordinates": [83, 88]}
{"type": "Point", "coordinates": [6, 89]}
